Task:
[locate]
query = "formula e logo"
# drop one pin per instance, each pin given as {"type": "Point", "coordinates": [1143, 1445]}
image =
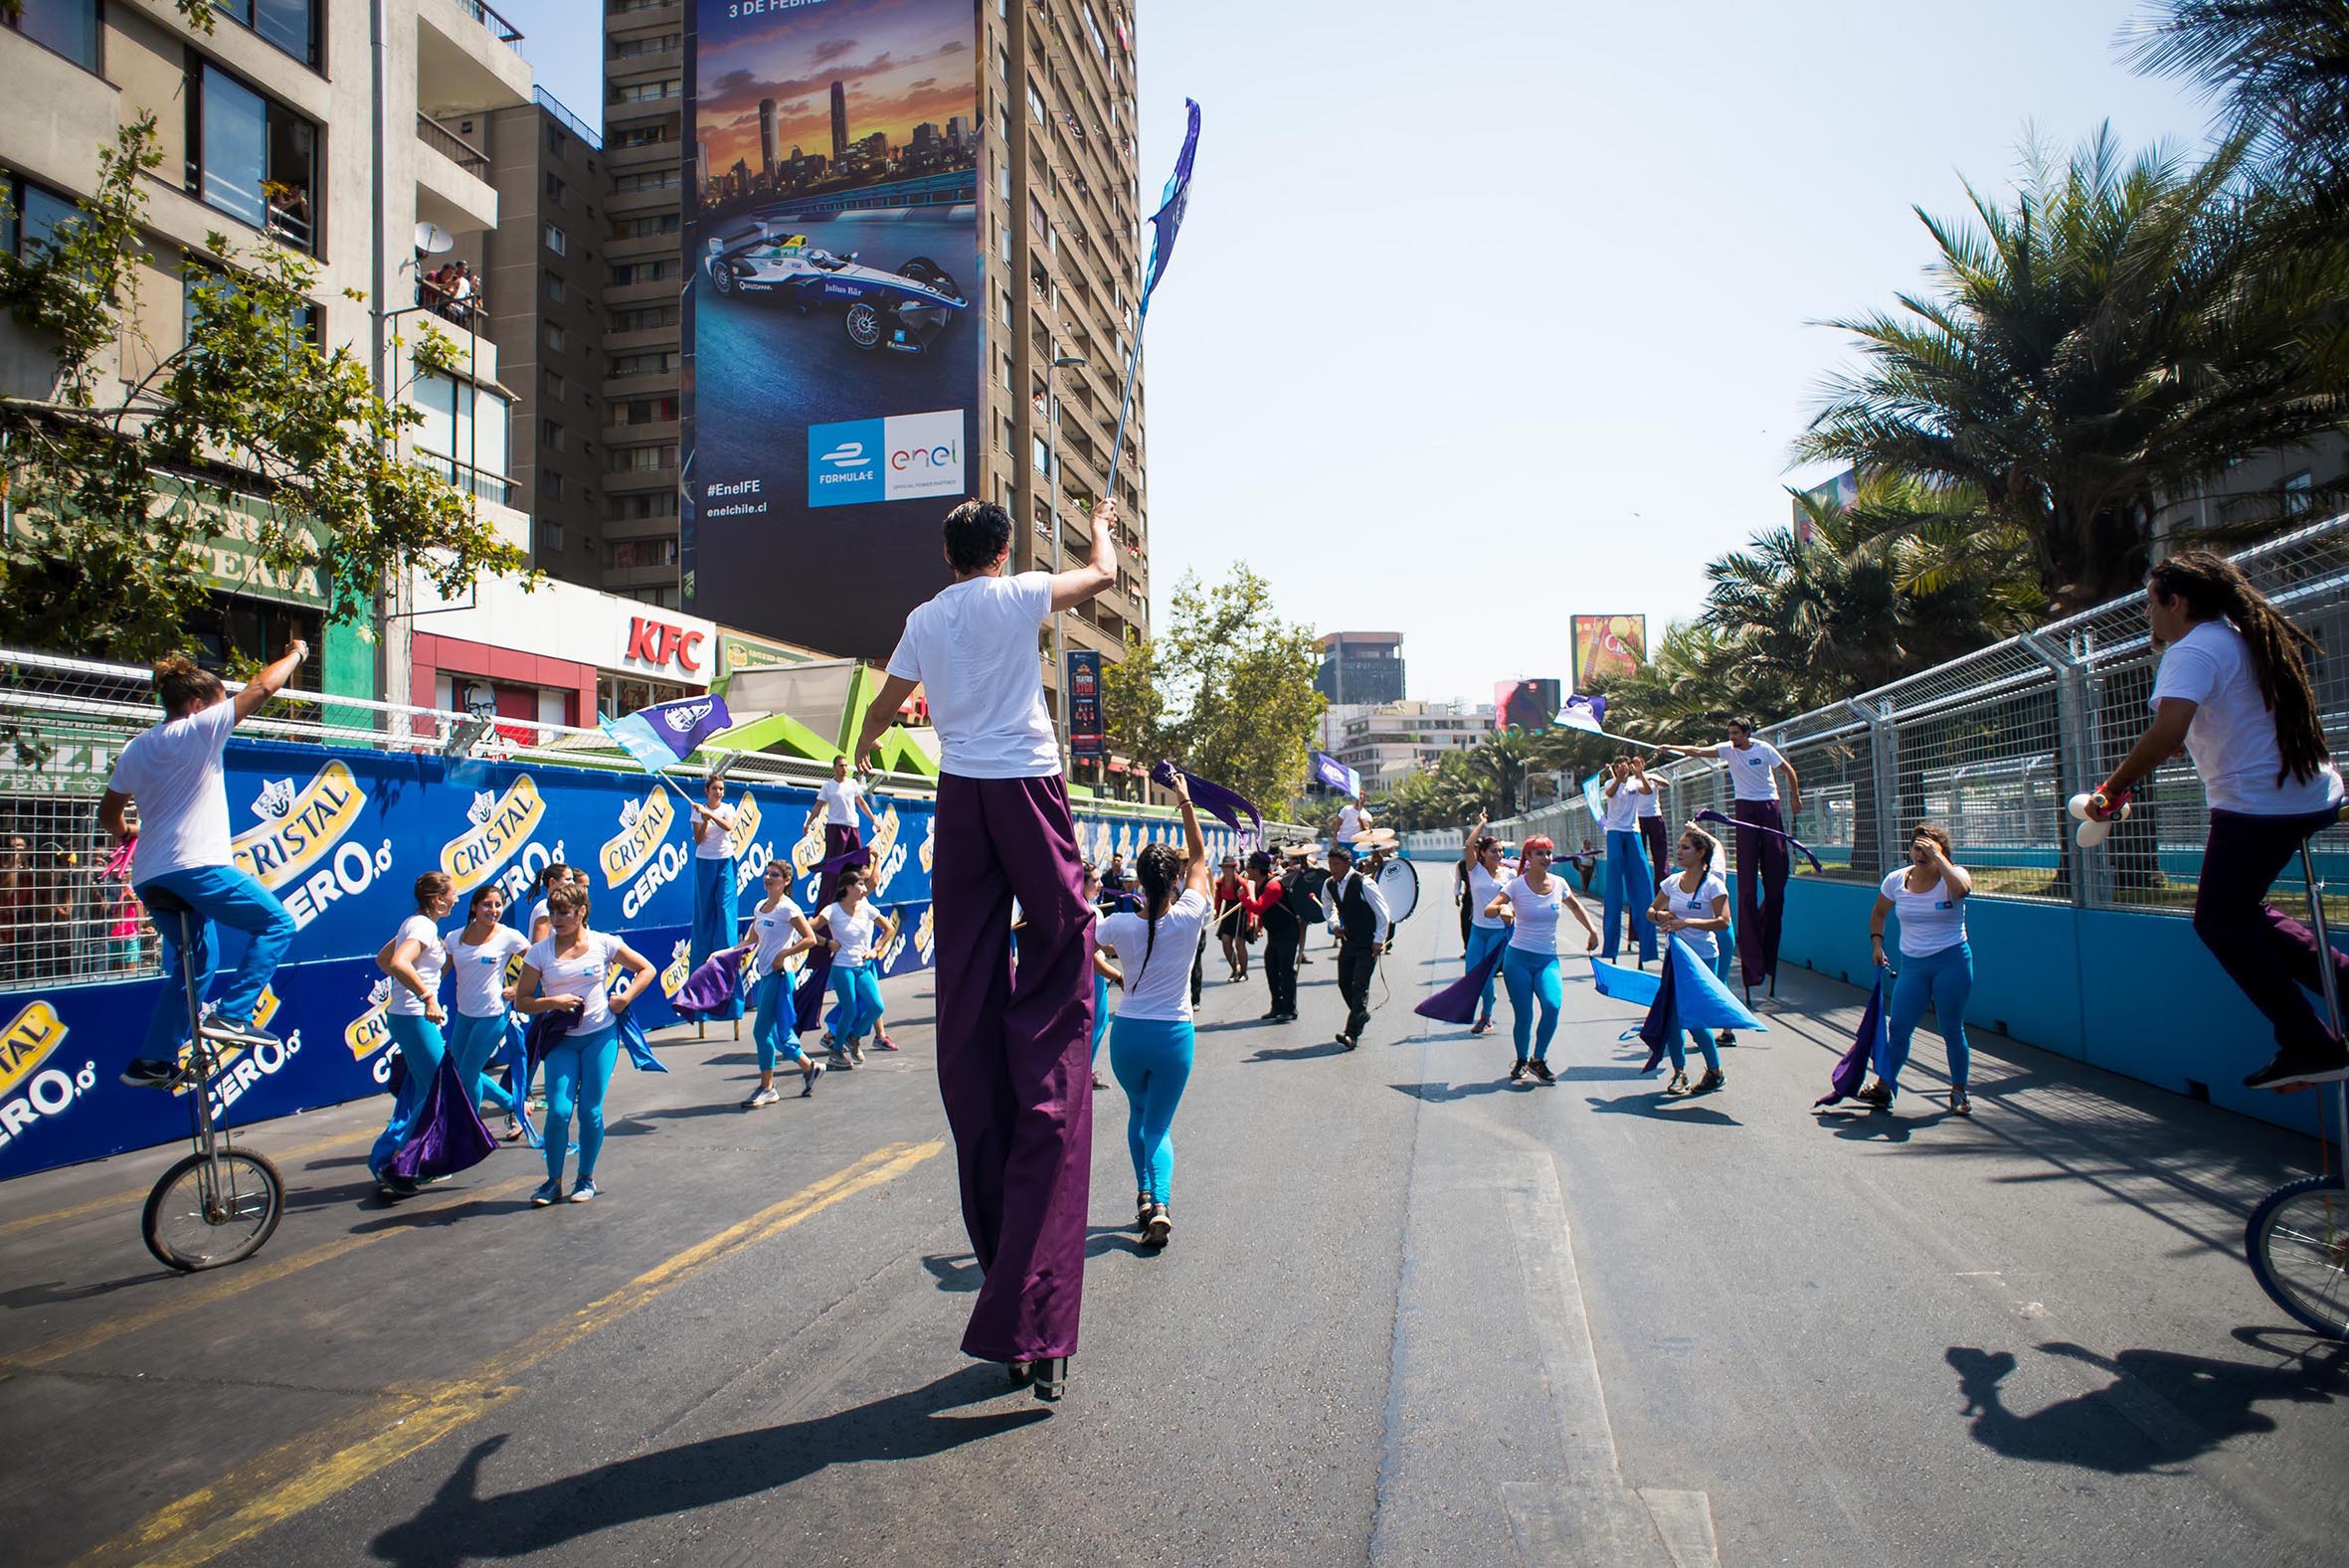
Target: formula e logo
{"type": "Point", "coordinates": [842, 470]}
{"type": "Point", "coordinates": [849, 454]}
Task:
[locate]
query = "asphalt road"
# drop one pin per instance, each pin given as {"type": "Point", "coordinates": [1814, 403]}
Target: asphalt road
{"type": "Point", "coordinates": [1411, 1314]}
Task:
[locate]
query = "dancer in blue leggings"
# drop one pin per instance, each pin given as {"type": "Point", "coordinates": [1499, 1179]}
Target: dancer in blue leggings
{"type": "Point", "coordinates": [1693, 908]}
{"type": "Point", "coordinates": [1151, 1044]}
{"type": "Point", "coordinates": [480, 953]}
{"type": "Point", "coordinates": [1936, 964]}
{"type": "Point", "coordinates": [1480, 869]}
{"type": "Point", "coordinates": [778, 930]}
{"type": "Point", "coordinates": [1531, 902]}
{"type": "Point", "coordinates": [858, 935]}
{"type": "Point", "coordinates": [413, 1015]}
{"type": "Point", "coordinates": [565, 973]}
{"type": "Point", "coordinates": [1630, 883]}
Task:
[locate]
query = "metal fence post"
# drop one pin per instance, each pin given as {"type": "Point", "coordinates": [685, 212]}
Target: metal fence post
{"type": "Point", "coordinates": [2076, 765]}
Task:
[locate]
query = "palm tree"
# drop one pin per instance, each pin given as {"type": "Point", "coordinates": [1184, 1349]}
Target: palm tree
{"type": "Point", "coordinates": [2116, 334]}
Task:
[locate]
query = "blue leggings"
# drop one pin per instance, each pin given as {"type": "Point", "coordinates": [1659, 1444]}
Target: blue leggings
{"type": "Point", "coordinates": [421, 1048]}
{"type": "Point", "coordinates": [578, 1071]}
{"type": "Point", "coordinates": [1482, 939]}
{"type": "Point", "coordinates": [772, 1028]}
{"type": "Point", "coordinates": [1631, 888]}
{"type": "Point", "coordinates": [1946, 979]}
{"type": "Point", "coordinates": [859, 988]}
{"type": "Point", "coordinates": [1533, 977]}
{"type": "Point", "coordinates": [1100, 1012]}
{"type": "Point", "coordinates": [1152, 1058]}
{"type": "Point", "coordinates": [475, 1042]}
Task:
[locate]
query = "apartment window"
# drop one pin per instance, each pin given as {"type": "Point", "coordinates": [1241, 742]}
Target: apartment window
{"type": "Point", "coordinates": [553, 335]}
{"type": "Point", "coordinates": [557, 191]}
{"type": "Point", "coordinates": [646, 135]}
{"type": "Point", "coordinates": [637, 508]}
{"type": "Point", "coordinates": [648, 226]}
{"type": "Point", "coordinates": [33, 213]}
{"type": "Point", "coordinates": [69, 27]}
{"type": "Point", "coordinates": [645, 180]}
{"type": "Point", "coordinates": [626, 273]}
{"type": "Point", "coordinates": [1003, 63]}
{"type": "Point", "coordinates": [550, 485]}
{"type": "Point", "coordinates": [557, 240]}
{"type": "Point", "coordinates": [645, 319]}
{"type": "Point", "coordinates": [1093, 33]}
{"type": "Point", "coordinates": [632, 554]}
{"type": "Point", "coordinates": [551, 384]}
{"type": "Point", "coordinates": [1036, 105]}
{"type": "Point", "coordinates": [551, 284]}
{"type": "Point", "coordinates": [645, 411]}
{"type": "Point", "coordinates": [1043, 456]}
{"type": "Point", "coordinates": [642, 460]}
{"type": "Point", "coordinates": [550, 537]}
{"type": "Point", "coordinates": [558, 141]}
{"type": "Point", "coordinates": [291, 25]}
{"type": "Point", "coordinates": [463, 435]}
{"type": "Point", "coordinates": [552, 436]}
{"type": "Point", "coordinates": [650, 363]}
{"type": "Point", "coordinates": [645, 92]}
{"type": "Point", "coordinates": [657, 44]}
{"type": "Point", "coordinates": [1004, 301]}
{"type": "Point", "coordinates": [250, 156]}
{"type": "Point", "coordinates": [305, 324]}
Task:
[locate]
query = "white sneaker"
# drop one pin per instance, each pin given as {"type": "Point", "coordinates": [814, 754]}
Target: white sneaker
{"type": "Point", "coordinates": [763, 1097]}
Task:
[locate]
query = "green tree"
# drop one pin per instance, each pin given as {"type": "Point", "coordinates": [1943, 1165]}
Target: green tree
{"type": "Point", "coordinates": [1225, 689]}
{"type": "Point", "coordinates": [113, 475]}
{"type": "Point", "coordinates": [2115, 334]}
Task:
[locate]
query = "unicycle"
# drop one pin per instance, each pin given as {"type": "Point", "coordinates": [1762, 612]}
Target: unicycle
{"type": "Point", "coordinates": [2297, 1239]}
{"type": "Point", "coordinates": [220, 1204]}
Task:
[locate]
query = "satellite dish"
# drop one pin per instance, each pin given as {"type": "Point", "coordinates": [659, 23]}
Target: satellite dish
{"type": "Point", "coordinates": [431, 238]}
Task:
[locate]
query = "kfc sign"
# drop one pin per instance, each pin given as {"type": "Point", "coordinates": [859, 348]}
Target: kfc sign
{"type": "Point", "coordinates": [664, 647]}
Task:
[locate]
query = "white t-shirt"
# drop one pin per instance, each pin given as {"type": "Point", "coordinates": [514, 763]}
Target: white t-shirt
{"type": "Point", "coordinates": [773, 928]}
{"type": "Point", "coordinates": [1483, 888]}
{"type": "Point", "coordinates": [719, 843]}
{"type": "Point", "coordinates": [420, 930]}
{"type": "Point", "coordinates": [1705, 945]}
{"type": "Point", "coordinates": [1537, 915]}
{"type": "Point", "coordinates": [854, 932]}
{"type": "Point", "coordinates": [173, 771]}
{"type": "Point", "coordinates": [973, 649]}
{"type": "Point", "coordinates": [1159, 989]}
{"type": "Point", "coordinates": [1753, 771]}
{"type": "Point", "coordinates": [480, 972]}
{"type": "Point", "coordinates": [1652, 803]}
{"type": "Point", "coordinates": [581, 976]}
{"type": "Point", "coordinates": [1623, 807]}
{"type": "Point", "coordinates": [1930, 921]}
{"type": "Point", "coordinates": [2233, 737]}
{"type": "Point", "coordinates": [538, 911]}
{"type": "Point", "coordinates": [840, 798]}
{"type": "Point", "coordinates": [1350, 823]}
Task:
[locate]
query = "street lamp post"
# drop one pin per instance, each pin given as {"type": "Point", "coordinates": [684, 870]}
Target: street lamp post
{"type": "Point", "coordinates": [1060, 362]}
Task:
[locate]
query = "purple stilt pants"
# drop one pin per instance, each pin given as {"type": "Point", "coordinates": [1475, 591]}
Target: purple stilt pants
{"type": "Point", "coordinates": [1763, 863]}
{"type": "Point", "coordinates": [1015, 1054]}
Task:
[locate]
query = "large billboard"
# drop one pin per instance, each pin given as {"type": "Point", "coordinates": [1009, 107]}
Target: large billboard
{"type": "Point", "coordinates": [1527, 706]}
{"type": "Point", "coordinates": [1608, 646]}
{"type": "Point", "coordinates": [834, 319]}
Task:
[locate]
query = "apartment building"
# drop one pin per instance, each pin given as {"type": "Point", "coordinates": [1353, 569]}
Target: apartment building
{"type": "Point", "coordinates": [1359, 667]}
{"type": "Point", "coordinates": [1389, 741]}
{"type": "Point", "coordinates": [271, 135]}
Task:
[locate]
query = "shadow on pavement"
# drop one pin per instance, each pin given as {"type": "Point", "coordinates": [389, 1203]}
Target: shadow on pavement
{"type": "Point", "coordinates": [1446, 1094]}
{"type": "Point", "coordinates": [1662, 1108]}
{"type": "Point", "coordinates": [460, 1526]}
{"type": "Point", "coordinates": [1297, 1053]}
{"type": "Point", "coordinates": [2095, 1431]}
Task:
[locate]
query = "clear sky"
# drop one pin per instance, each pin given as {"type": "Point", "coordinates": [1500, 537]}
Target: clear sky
{"type": "Point", "coordinates": [1489, 313]}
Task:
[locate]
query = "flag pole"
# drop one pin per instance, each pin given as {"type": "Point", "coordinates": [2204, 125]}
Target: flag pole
{"type": "Point", "coordinates": [1117, 445]}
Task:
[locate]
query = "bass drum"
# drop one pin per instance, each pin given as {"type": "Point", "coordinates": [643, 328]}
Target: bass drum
{"type": "Point", "coordinates": [1398, 882]}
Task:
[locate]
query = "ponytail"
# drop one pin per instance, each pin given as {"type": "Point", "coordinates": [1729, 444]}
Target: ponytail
{"type": "Point", "coordinates": [2212, 587]}
{"type": "Point", "coordinates": [1155, 868]}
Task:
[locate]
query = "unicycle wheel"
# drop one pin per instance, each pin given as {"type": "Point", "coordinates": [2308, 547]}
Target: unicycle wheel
{"type": "Point", "coordinates": [207, 1212]}
{"type": "Point", "coordinates": [2297, 1242]}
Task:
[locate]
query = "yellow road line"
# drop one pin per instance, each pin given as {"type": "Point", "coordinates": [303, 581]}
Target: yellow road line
{"type": "Point", "coordinates": [300, 1473]}
{"type": "Point", "coordinates": [131, 1199]}
{"type": "Point", "coordinates": [246, 1275]}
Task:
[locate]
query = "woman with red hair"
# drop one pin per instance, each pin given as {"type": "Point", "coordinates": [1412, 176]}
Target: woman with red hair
{"type": "Point", "coordinates": [1528, 967]}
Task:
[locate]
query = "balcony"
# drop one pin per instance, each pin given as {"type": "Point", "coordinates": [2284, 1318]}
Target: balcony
{"type": "Point", "coordinates": [452, 186]}
{"type": "Point", "coordinates": [466, 59]}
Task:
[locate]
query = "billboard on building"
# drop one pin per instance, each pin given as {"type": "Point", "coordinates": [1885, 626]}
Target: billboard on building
{"type": "Point", "coordinates": [833, 311]}
{"type": "Point", "coordinates": [1526, 705]}
{"type": "Point", "coordinates": [1608, 646]}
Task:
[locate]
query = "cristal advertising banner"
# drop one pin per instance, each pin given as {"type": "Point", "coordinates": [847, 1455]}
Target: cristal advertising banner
{"type": "Point", "coordinates": [1528, 706]}
{"type": "Point", "coordinates": [1608, 646]}
{"type": "Point", "coordinates": [1086, 732]}
{"type": "Point", "coordinates": [835, 311]}
{"type": "Point", "coordinates": [340, 836]}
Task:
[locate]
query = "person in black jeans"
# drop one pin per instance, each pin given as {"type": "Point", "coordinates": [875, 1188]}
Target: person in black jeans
{"type": "Point", "coordinates": [1361, 911]}
{"type": "Point", "coordinates": [1267, 902]}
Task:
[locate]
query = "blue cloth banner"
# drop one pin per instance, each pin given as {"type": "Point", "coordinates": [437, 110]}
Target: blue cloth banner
{"type": "Point", "coordinates": [667, 733]}
{"type": "Point", "coordinates": [1168, 219]}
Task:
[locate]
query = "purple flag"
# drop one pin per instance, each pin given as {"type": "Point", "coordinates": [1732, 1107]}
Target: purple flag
{"type": "Point", "coordinates": [712, 986]}
{"type": "Point", "coordinates": [1168, 218]}
{"type": "Point", "coordinates": [1458, 1002]}
{"type": "Point", "coordinates": [1708, 814]}
{"type": "Point", "coordinates": [1329, 770]}
{"type": "Point", "coordinates": [448, 1136]}
{"type": "Point", "coordinates": [1869, 1044]}
{"type": "Point", "coordinates": [667, 733]}
{"type": "Point", "coordinates": [1224, 805]}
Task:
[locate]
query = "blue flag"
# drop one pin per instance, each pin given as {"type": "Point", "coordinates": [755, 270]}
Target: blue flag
{"type": "Point", "coordinates": [1329, 770]}
{"type": "Point", "coordinates": [1168, 218]}
{"type": "Point", "coordinates": [667, 733]}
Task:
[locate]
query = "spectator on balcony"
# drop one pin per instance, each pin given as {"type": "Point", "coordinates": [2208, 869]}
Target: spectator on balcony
{"type": "Point", "coordinates": [464, 296]}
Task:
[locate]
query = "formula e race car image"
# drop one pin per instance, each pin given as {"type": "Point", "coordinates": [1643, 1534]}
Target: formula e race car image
{"type": "Point", "coordinates": [905, 311]}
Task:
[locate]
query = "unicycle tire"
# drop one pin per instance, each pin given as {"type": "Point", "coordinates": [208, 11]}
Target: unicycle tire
{"type": "Point", "coordinates": [186, 1232]}
{"type": "Point", "coordinates": [2297, 1242]}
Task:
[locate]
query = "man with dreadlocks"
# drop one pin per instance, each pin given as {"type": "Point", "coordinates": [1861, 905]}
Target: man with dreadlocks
{"type": "Point", "coordinates": [1152, 1043]}
{"type": "Point", "coordinates": [2233, 689]}
{"type": "Point", "coordinates": [1015, 1057]}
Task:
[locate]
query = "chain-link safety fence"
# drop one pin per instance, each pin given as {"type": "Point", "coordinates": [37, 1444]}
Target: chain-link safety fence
{"type": "Point", "coordinates": [1993, 744]}
{"type": "Point", "coordinates": [66, 916]}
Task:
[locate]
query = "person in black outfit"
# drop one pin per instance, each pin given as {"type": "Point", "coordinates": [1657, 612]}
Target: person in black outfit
{"type": "Point", "coordinates": [1268, 902]}
{"type": "Point", "coordinates": [1304, 882]}
{"type": "Point", "coordinates": [1361, 936]}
